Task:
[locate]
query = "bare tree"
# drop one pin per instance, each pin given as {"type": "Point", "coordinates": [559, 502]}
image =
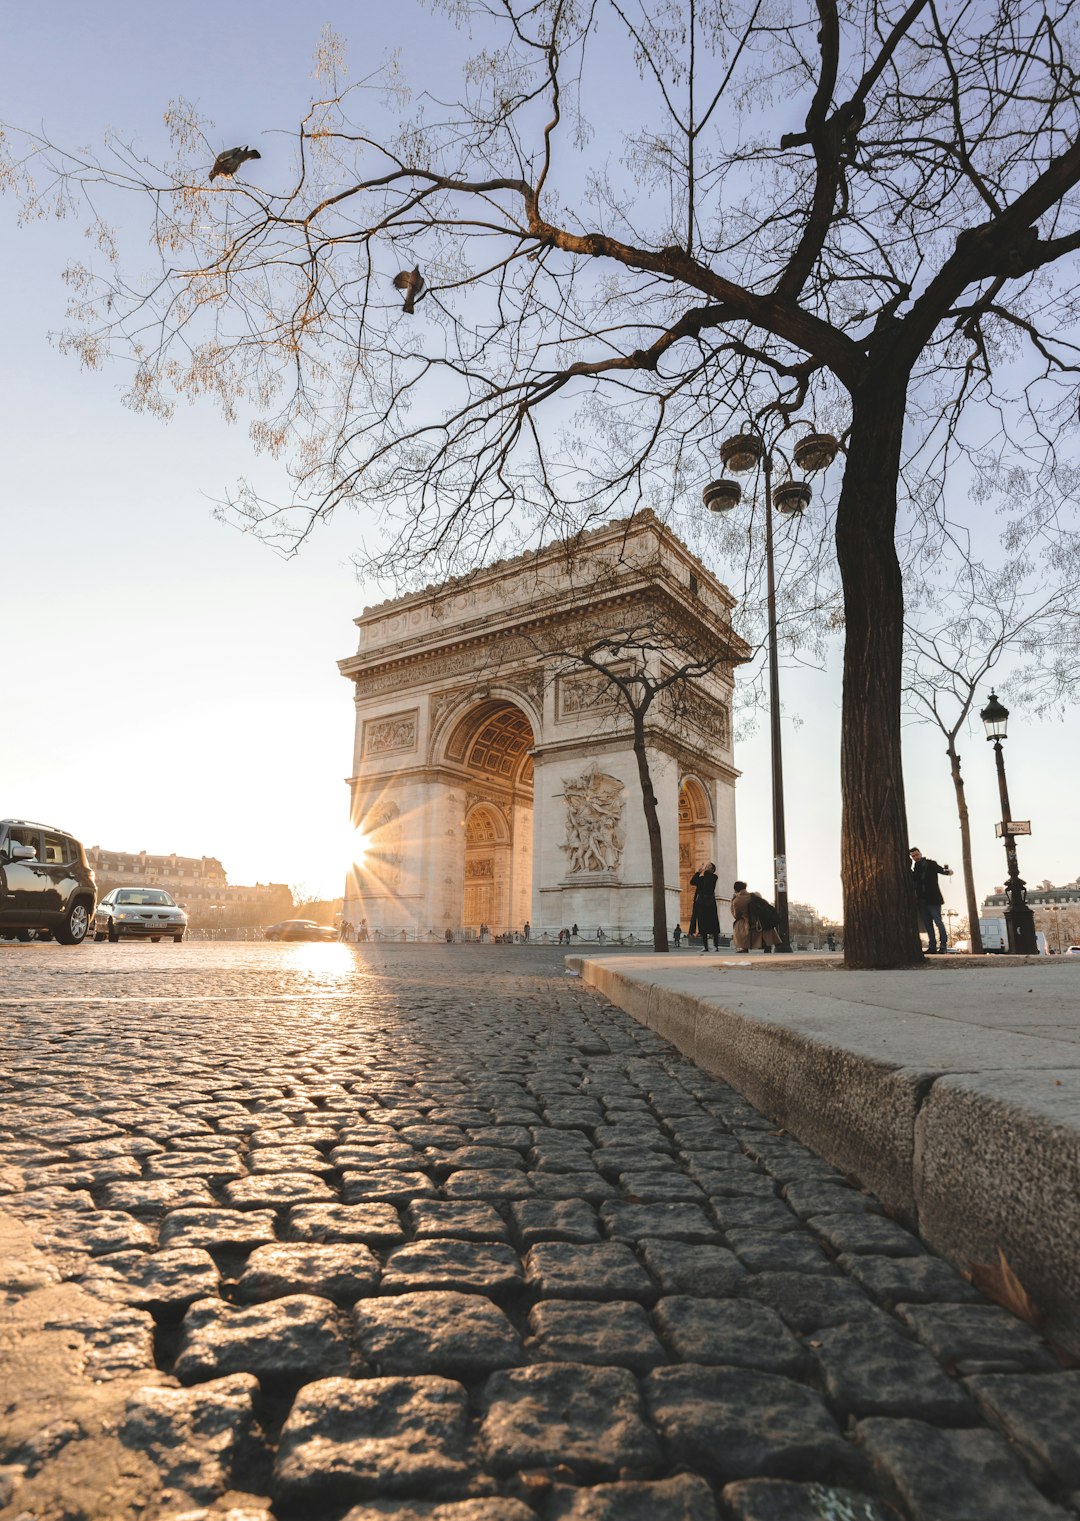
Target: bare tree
{"type": "Point", "coordinates": [586, 330]}
{"type": "Point", "coordinates": [1011, 614]}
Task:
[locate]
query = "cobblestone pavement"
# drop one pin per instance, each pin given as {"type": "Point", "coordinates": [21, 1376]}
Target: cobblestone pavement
{"type": "Point", "coordinates": [420, 1232]}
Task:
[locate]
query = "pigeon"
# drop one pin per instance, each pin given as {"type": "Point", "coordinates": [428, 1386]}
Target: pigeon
{"type": "Point", "coordinates": [229, 162]}
{"type": "Point", "coordinates": [411, 281]}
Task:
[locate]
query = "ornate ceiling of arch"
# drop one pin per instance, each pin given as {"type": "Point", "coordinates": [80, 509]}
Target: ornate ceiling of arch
{"type": "Point", "coordinates": [693, 807]}
{"type": "Point", "coordinates": [494, 740]}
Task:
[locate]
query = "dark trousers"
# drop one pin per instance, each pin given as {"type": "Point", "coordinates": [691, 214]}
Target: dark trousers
{"type": "Point", "coordinates": [930, 914]}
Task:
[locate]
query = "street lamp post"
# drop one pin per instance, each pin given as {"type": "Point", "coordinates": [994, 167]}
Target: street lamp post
{"type": "Point", "coordinates": [743, 452]}
{"type": "Point", "coordinates": [1019, 920]}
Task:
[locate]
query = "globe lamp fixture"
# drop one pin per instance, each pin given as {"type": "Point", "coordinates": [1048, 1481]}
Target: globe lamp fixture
{"type": "Point", "coordinates": [741, 453]}
{"type": "Point", "coordinates": [815, 452]}
{"type": "Point", "coordinates": [722, 496]}
{"type": "Point", "coordinates": [792, 496]}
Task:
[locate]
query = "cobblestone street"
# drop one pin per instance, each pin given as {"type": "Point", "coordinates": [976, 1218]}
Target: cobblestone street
{"type": "Point", "coordinates": [435, 1232]}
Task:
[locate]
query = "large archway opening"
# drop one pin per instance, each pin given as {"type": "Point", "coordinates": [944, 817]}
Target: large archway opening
{"type": "Point", "coordinates": [696, 839]}
{"type": "Point", "coordinates": [490, 750]}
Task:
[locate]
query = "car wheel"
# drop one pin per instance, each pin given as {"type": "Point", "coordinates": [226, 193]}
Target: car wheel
{"type": "Point", "coordinates": [74, 928]}
{"type": "Point", "coordinates": [154, 939]}
{"type": "Point", "coordinates": [99, 936]}
{"type": "Point", "coordinates": [113, 933]}
{"type": "Point", "coordinates": [25, 935]}
{"type": "Point", "coordinates": [177, 939]}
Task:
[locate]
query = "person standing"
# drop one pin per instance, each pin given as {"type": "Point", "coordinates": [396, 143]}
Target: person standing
{"type": "Point", "coordinates": [925, 875]}
{"type": "Point", "coordinates": [705, 912]}
{"type": "Point", "coordinates": [677, 936]}
{"type": "Point", "coordinates": [526, 930]}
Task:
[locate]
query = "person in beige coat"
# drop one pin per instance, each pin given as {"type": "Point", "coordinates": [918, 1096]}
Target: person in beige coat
{"type": "Point", "coordinates": [747, 931]}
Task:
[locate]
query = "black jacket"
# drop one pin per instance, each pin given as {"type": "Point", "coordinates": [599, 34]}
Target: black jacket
{"type": "Point", "coordinates": [925, 872]}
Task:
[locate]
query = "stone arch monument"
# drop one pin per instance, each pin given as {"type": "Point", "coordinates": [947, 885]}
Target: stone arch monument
{"type": "Point", "coordinates": [494, 779]}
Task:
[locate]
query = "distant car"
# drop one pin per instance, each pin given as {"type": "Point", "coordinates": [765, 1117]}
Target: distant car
{"type": "Point", "coordinates": [300, 929]}
{"type": "Point", "coordinates": [141, 913]}
{"type": "Point", "coordinates": [46, 885]}
{"type": "Point", "coordinates": [1073, 950]}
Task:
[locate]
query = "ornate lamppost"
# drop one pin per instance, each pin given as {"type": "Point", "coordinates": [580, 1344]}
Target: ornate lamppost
{"type": "Point", "coordinates": [745, 452]}
{"type": "Point", "coordinates": [1019, 920]}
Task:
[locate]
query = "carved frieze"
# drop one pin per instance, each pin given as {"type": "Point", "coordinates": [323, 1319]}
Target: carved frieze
{"type": "Point", "coordinates": [594, 832]}
{"type": "Point", "coordinates": [480, 869]}
{"type": "Point", "coordinates": [385, 736]}
{"type": "Point", "coordinates": [587, 691]}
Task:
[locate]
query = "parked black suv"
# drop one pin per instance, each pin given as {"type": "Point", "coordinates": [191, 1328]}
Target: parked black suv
{"type": "Point", "coordinates": [45, 883]}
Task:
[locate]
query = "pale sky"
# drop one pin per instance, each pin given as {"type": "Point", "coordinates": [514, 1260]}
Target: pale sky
{"type": "Point", "coordinates": [170, 684]}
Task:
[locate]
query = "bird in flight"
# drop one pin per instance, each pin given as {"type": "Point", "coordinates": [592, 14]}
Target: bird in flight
{"type": "Point", "coordinates": [411, 281]}
{"type": "Point", "coordinates": [229, 162]}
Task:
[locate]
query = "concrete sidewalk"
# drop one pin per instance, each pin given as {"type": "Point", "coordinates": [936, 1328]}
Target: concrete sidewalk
{"type": "Point", "coordinates": [952, 1090]}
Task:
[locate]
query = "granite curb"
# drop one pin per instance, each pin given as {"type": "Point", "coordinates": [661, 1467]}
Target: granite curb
{"type": "Point", "coordinates": [967, 1130]}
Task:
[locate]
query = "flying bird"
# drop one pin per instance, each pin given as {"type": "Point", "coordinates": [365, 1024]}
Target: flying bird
{"type": "Point", "coordinates": [229, 162]}
{"type": "Point", "coordinates": [411, 281]}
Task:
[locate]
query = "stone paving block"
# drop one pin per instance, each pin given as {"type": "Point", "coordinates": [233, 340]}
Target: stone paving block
{"type": "Point", "coordinates": [285, 1341]}
{"type": "Point", "coordinates": [482, 1158]}
{"type": "Point", "coordinates": [463, 1219]}
{"type": "Point", "coordinates": [463, 1336]}
{"type": "Point", "coordinates": [518, 1136]}
{"type": "Point", "coordinates": [291, 1159]}
{"type": "Point", "coordinates": [587, 1186]}
{"type": "Point", "coordinates": [745, 1182]}
{"type": "Point", "coordinates": [114, 1343]}
{"type": "Point", "coordinates": [487, 1183]}
{"type": "Point", "coordinates": [572, 1270]}
{"type": "Point", "coordinates": [735, 1423]}
{"type": "Point", "coordinates": [428, 1135]}
{"type": "Point", "coordinates": [869, 1368]}
{"type": "Point", "coordinates": [348, 1439]}
{"type": "Point", "coordinates": [780, 1500]}
{"type": "Point", "coordinates": [373, 1224]}
{"type": "Point", "coordinates": [1041, 1416]}
{"type": "Point", "coordinates": [748, 1213]}
{"type": "Point", "coordinates": [167, 1280]}
{"type": "Point", "coordinates": [956, 1475]}
{"type": "Point", "coordinates": [611, 1334]}
{"type": "Point", "coordinates": [660, 1187]}
{"type": "Point", "coordinates": [212, 1165]}
{"type": "Point", "coordinates": [217, 1229]}
{"type": "Point", "coordinates": [193, 1436]}
{"type": "Point", "coordinates": [554, 1220]}
{"type": "Point", "coordinates": [501, 1509]}
{"type": "Point", "coordinates": [861, 1233]}
{"type": "Point", "coordinates": [678, 1222]}
{"type": "Point", "coordinates": [43, 1201]}
{"type": "Point", "coordinates": [712, 1271]}
{"type": "Point", "coordinates": [278, 1190]}
{"type": "Point", "coordinates": [476, 1267]}
{"type": "Point", "coordinates": [158, 1196]}
{"type": "Point", "coordinates": [735, 1332]}
{"type": "Point", "coordinates": [909, 1280]}
{"type": "Point", "coordinates": [117, 1146]}
{"type": "Point", "coordinates": [683, 1498]}
{"type": "Point", "coordinates": [380, 1154]}
{"type": "Point", "coordinates": [386, 1186]}
{"type": "Point", "coordinates": [807, 1301]}
{"type": "Point", "coordinates": [341, 1270]}
{"type": "Point", "coordinates": [587, 1419]}
{"type": "Point", "coordinates": [978, 1338]}
{"type": "Point", "coordinates": [99, 1232]}
{"type": "Point", "coordinates": [768, 1252]}
{"type": "Point", "coordinates": [809, 1198]}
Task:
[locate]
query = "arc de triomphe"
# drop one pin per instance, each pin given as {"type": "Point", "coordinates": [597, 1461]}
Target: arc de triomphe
{"type": "Point", "coordinates": [494, 779]}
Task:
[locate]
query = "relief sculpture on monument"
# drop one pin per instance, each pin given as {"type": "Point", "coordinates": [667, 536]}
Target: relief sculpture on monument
{"type": "Point", "coordinates": [594, 833]}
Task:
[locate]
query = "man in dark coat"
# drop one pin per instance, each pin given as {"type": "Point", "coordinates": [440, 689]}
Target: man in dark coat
{"type": "Point", "coordinates": [925, 875]}
{"type": "Point", "coordinates": [705, 914]}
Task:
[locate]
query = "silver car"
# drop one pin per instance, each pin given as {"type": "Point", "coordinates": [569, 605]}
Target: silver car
{"type": "Point", "coordinates": [142, 912]}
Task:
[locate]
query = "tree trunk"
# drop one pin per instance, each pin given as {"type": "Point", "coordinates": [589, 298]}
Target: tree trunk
{"type": "Point", "coordinates": [965, 850]}
{"type": "Point", "coordinates": [656, 840]}
{"type": "Point", "coordinates": [880, 915]}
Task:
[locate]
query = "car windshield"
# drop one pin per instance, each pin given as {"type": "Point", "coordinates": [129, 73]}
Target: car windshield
{"type": "Point", "coordinates": [145, 897]}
